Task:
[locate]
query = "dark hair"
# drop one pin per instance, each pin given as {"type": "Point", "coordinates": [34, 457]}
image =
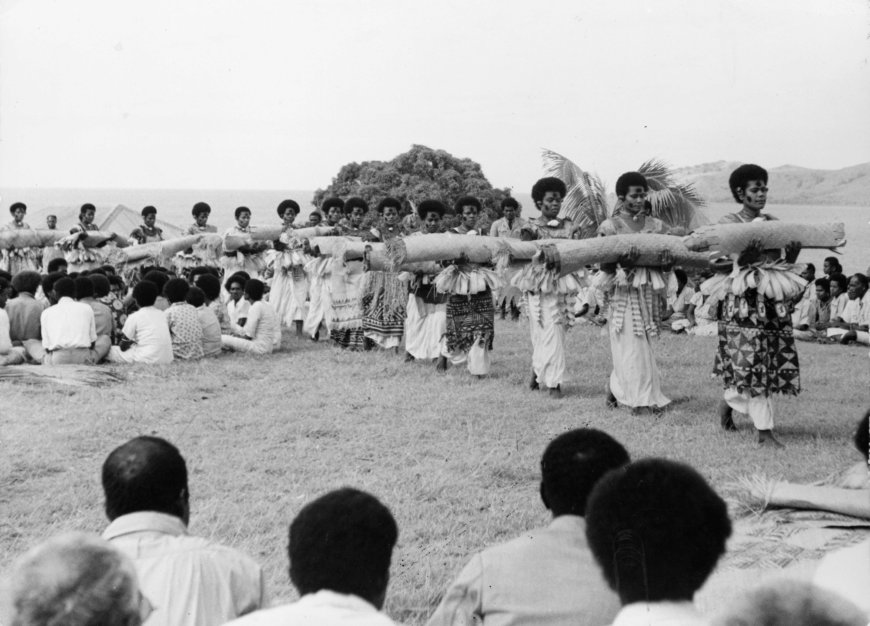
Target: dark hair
{"type": "Point", "coordinates": [431, 206]}
{"type": "Point", "coordinates": [158, 278]}
{"type": "Point", "coordinates": [255, 289]}
{"type": "Point", "coordinates": [656, 529]}
{"type": "Point", "coordinates": [101, 284]}
{"type": "Point", "coordinates": [7, 275]}
{"type": "Point", "coordinates": [841, 281]}
{"type": "Point", "coordinates": [199, 208]}
{"type": "Point", "coordinates": [317, 213]}
{"type": "Point", "coordinates": [176, 290]}
{"type": "Point", "coordinates": [210, 285]}
{"type": "Point", "coordinates": [355, 202]}
{"type": "Point", "coordinates": [811, 267]}
{"type": "Point", "coordinates": [288, 204]}
{"type": "Point", "coordinates": [389, 201]}
{"type": "Point", "coordinates": [65, 288]}
{"type": "Point", "coordinates": [240, 210]}
{"type": "Point", "coordinates": [49, 280]}
{"type": "Point", "coordinates": [862, 435]}
{"type": "Point", "coordinates": [509, 202]}
{"type": "Point", "coordinates": [4, 284]}
{"type": "Point", "coordinates": [630, 179]}
{"type": "Point", "coordinates": [84, 287]}
{"type": "Point", "coordinates": [571, 466]}
{"type": "Point", "coordinates": [149, 210]}
{"type": "Point", "coordinates": [832, 260]}
{"type": "Point", "coordinates": [824, 283]}
{"type": "Point", "coordinates": [57, 263]}
{"type": "Point", "coordinates": [343, 542]}
{"type": "Point", "coordinates": [861, 278]}
{"type": "Point", "coordinates": [116, 281]}
{"type": "Point", "coordinates": [238, 277]}
{"type": "Point", "coordinates": [195, 297]}
{"type": "Point", "coordinates": [97, 270]}
{"type": "Point", "coordinates": [465, 201]}
{"type": "Point", "coordinates": [26, 281]}
{"type": "Point", "coordinates": [108, 269]}
{"type": "Point", "coordinates": [144, 474]}
{"type": "Point", "coordinates": [145, 293]}
{"type": "Point", "coordinates": [551, 183]}
{"type": "Point", "coordinates": [332, 202]}
{"type": "Point", "coordinates": [742, 175]}
{"type": "Point", "coordinates": [681, 275]}
{"type": "Point", "coordinates": [87, 206]}
{"type": "Point", "coordinates": [198, 271]}
{"type": "Point", "coordinates": [17, 205]}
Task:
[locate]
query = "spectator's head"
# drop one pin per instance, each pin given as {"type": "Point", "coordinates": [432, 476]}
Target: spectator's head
{"type": "Point", "coordinates": [51, 221]}
{"type": "Point", "coordinates": [146, 474]}
{"type": "Point", "coordinates": [431, 213]}
{"type": "Point", "coordinates": [108, 269]}
{"type": "Point", "coordinates": [656, 529]}
{"type": "Point", "coordinates": [748, 183]}
{"type": "Point", "coordinates": [65, 288]}
{"type": "Point", "coordinates": [195, 297]}
{"type": "Point", "coordinates": [236, 287]}
{"type": "Point", "coordinates": [58, 265]}
{"type": "Point", "coordinates": [117, 285]}
{"type": "Point", "coordinates": [102, 286]}
{"type": "Point", "coordinates": [862, 436]}
{"type": "Point", "coordinates": [48, 285]}
{"type": "Point", "coordinates": [26, 282]}
{"type": "Point", "coordinates": [176, 290]}
{"type": "Point", "coordinates": [84, 287]}
{"type": "Point", "coordinates": [145, 293]}
{"type": "Point", "coordinates": [255, 290]}
{"type": "Point", "coordinates": [290, 205]}
{"type": "Point", "coordinates": [6, 275]}
{"type": "Point", "coordinates": [839, 285]}
{"type": "Point", "coordinates": [823, 289]}
{"type": "Point", "coordinates": [18, 211]}
{"type": "Point", "coordinates": [76, 579]}
{"type": "Point", "coordinates": [343, 542]}
{"type": "Point", "coordinates": [857, 286]}
{"type": "Point", "coordinates": [832, 266]}
{"type": "Point", "coordinates": [571, 466]}
{"type": "Point", "coordinates": [210, 285]}
{"type": "Point", "coordinates": [791, 603]}
{"type": "Point", "coordinates": [196, 272]}
{"type": "Point", "coordinates": [510, 207]}
{"type": "Point", "coordinates": [547, 195]}
{"type": "Point", "coordinates": [4, 292]}
{"type": "Point", "coordinates": [243, 216]}
{"type": "Point", "coordinates": [158, 278]}
{"type": "Point", "coordinates": [315, 218]}
{"type": "Point", "coordinates": [87, 213]}
{"type": "Point", "coordinates": [809, 273]}
{"type": "Point", "coordinates": [149, 216]}
{"type": "Point", "coordinates": [682, 278]}
{"type": "Point", "coordinates": [333, 209]}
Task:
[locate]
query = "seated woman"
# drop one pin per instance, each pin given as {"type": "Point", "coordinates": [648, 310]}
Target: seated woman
{"type": "Point", "coordinates": [211, 327]}
{"type": "Point", "coordinates": [146, 336]}
{"type": "Point", "coordinates": [184, 326]}
{"type": "Point", "coordinates": [678, 303]}
{"type": "Point", "coordinates": [702, 319]}
{"type": "Point", "coordinates": [8, 355]}
{"type": "Point", "coordinates": [211, 288]}
{"type": "Point", "coordinates": [262, 331]}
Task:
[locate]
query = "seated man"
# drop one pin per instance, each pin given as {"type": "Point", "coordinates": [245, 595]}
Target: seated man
{"type": "Point", "coordinates": [184, 326]}
{"type": "Point", "coordinates": [340, 549]}
{"type": "Point", "coordinates": [675, 313]}
{"type": "Point", "coordinates": [69, 334]}
{"type": "Point", "coordinates": [102, 314]}
{"type": "Point", "coordinates": [25, 310]}
{"type": "Point", "coordinates": [817, 318]}
{"type": "Point", "coordinates": [211, 288]}
{"type": "Point", "coordinates": [839, 297]}
{"type": "Point", "coordinates": [262, 330]}
{"type": "Point", "coordinates": [546, 576]}
{"type": "Point", "coordinates": [76, 579]}
{"type": "Point", "coordinates": [192, 581]}
{"type": "Point", "coordinates": [211, 327]}
{"type": "Point", "coordinates": [237, 306]}
{"type": "Point", "coordinates": [146, 332]}
{"type": "Point", "coordinates": [8, 354]}
{"type": "Point", "coordinates": [656, 529]}
{"type": "Point", "coordinates": [855, 319]}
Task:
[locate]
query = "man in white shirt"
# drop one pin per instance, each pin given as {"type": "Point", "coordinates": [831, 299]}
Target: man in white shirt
{"type": "Point", "coordinates": [237, 305]}
{"type": "Point", "coordinates": [262, 330]}
{"type": "Point", "coordinates": [190, 581]}
{"type": "Point", "coordinates": [146, 337]}
{"type": "Point", "coordinates": [340, 549]}
{"type": "Point", "coordinates": [547, 576]}
{"type": "Point", "coordinates": [69, 334]}
{"type": "Point", "coordinates": [855, 319]}
{"type": "Point", "coordinates": [657, 530]}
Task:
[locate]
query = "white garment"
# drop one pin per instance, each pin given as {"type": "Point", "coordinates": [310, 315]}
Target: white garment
{"type": "Point", "coordinates": [211, 331]}
{"type": "Point", "coordinates": [759, 409]}
{"type": "Point", "coordinates": [838, 304]}
{"type": "Point", "coordinates": [8, 354]}
{"type": "Point", "coordinates": [238, 310]}
{"type": "Point", "coordinates": [324, 608]}
{"type": "Point", "coordinates": [148, 329]}
{"type": "Point", "coordinates": [319, 307]}
{"type": "Point", "coordinates": [846, 572]}
{"type": "Point", "coordinates": [425, 327]}
{"type": "Point", "coordinates": [263, 330]}
{"type": "Point", "coordinates": [548, 338]}
{"type": "Point", "coordinates": [660, 614]}
{"type": "Point", "coordinates": [635, 380]}
{"type": "Point", "coordinates": [190, 581]}
{"type": "Point", "coordinates": [68, 324]}
{"type": "Point", "coordinates": [477, 357]}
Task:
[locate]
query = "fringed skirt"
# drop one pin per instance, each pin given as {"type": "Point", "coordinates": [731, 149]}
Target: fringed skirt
{"type": "Point", "coordinates": [384, 298]}
{"type": "Point", "coordinates": [20, 259]}
{"type": "Point", "coordinates": [469, 319]}
{"type": "Point", "coordinates": [347, 328]}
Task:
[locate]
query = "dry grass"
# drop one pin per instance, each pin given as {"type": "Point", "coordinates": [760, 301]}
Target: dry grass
{"type": "Point", "coordinates": [455, 458]}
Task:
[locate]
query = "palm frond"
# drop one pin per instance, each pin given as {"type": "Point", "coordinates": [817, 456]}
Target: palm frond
{"type": "Point", "coordinates": [562, 168]}
{"type": "Point", "coordinates": [674, 203]}
{"type": "Point", "coordinates": [585, 204]}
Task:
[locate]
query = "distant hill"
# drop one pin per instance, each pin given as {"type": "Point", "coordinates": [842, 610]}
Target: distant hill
{"type": "Point", "coordinates": [789, 184]}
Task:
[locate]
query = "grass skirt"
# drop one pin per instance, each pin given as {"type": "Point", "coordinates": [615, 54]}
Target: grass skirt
{"type": "Point", "coordinates": [470, 318]}
{"type": "Point", "coordinates": [383, 304]}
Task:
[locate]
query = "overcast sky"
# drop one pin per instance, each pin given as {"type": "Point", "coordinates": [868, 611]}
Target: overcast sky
{"type": "Point", "coordinates": [257, 94]}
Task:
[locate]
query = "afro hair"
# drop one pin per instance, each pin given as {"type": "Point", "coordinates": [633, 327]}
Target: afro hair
{"type": "Point", "coordinates": [510, 202]}
{"type": "Point", "coordinates": [27, 281]}
{"type": "Point", "coordinates": [85, 208]}
{"type": "Point", "coordinates": [431, 206]}
{"type": "Point", "coordinates": [158, 278]}
{"type": "Point", "coordinates": [210, 285]}
{"type": "Point", "coordinates": [102, 286]}
{"type": "Point", "coordinates": [199, 208]}
{"type": "Point", "coordinates": [630, 179]}
{"type": "Point", "coordinates": [288, 204]}
{"type": "Point", "coordinates": [176, 290]}
{"type": "Point", "coordinates": [195, 297]}
{"type": "Point", "coordinates": [389, 201]}
{"type": "Point", "coordinates": [17, 205]}
{"type": "Point", "coordinates": [332, 202]}
{"type": "Point", "coordinates": [149, 210]}
{"type": "Point", "coordinates": [84, 287]}
{"type": "Point", "coordinates": [240, 210]}
{"type": "Point", "coordinates": [742, 175]}
{"type": "Point", "coordinates": [255, 290]}
{"type": "Point", "coordinates": [465, 201]}
{"type": "Point", "coordinates": [145, 293]}
{"type": "Point", "coordinates": [355, 202]}
{"type": "Point", "coordinates": [551, 183]}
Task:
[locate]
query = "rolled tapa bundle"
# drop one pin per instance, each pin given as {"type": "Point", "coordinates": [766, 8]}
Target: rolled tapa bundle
{"type": "Point", "coordinates": [159, 251]}
{"type": "Point", "coordinates": [93, 239]}
{"type": "Point", "coordinates": [575, 254]}
{"type": "Point", "coordinates": [206, 252]}
{"type": "Point", "coordinates": [29, 238]}
{"type": "Point", "coordinates": [720, 240]}
{"type": "Point", "coordinates": [330, 246]}
{"type": "Point", "coordinates": [448, 247]}
{"type": "Point", "coordinates": [313, 231]}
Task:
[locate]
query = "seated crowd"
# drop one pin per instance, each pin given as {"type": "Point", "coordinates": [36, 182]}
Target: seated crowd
{"type": "Point", "coordinates": [89, 317]}
{"type": "Point", "coordinates": [630, 543]}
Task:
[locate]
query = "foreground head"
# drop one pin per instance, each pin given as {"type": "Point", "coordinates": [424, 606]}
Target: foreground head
{"type": "Point", "coordinates": [332, 208]}
{"type": "Point", "coordinates": [832, 266]}
{"type": "Point", "coordinates": [210, 285]}
{"type": "Point", "coordinates": [431, 212]}
{"type": "Point", "coordinates": [255, 290]}
{"type": "Point", "coordinates": [195, 297]}
{"type": "Point", "coordinates": [84, 287]}
{"type": "Point", "coordinates": [26, 282]}
{"type": "Point", "coordinates": [149, 216]}
{"type": "Point", "coordinates": [510, 208]}
{"type": "Point", "coordinates": [87, 213]}
{"type": "Point", "coordinates": [51, 221]}
{"type": "Point", "coordinates": [315, 218]}
{"type": "Point", "coordinates": [791, 603]}
{"type": "Point", "coordinates": [200, 212]}
{"type": "Point", "coordinates": [102, 286]}
{"type": "Point", "coordinates": [857, 286]}
{"type": "Point", "coordinates": [65, 288]}
{"type": "Point", "coordinates": [288, 210]}
{"type": "Point", "coordinates": [468, 209]}
{"type": "Point", "coordinates": [76, 579]}
{"type": "Point", "coordinates": [547, 195]}
{"type": "Point", "coordinates": [243, 216]}
{"type": "Point", "coordinates": [48, 282]}
{"type": "Point", "coordinates": [158, 278]}
{"type": "Point", "coordinates": [146, 474]}
{"type": "Point", "coordinates": [343, 542]}
{"type": "Point", "coordinates": [58, 265]}
{"type": "Point", "coordinates": [18, 211]}
{"type": "Point", "coordinates": [356, 208]}
{"type": "Point", "coordinates": [176, 290]}
{"type": "Point", "coordinates": [839, 284]}
{"type": "Point", "coordinates": [572, 465]}
{"type": "Point", "coordinates": [823, 289]}
{"type": "Point", "coordinates": [748, 185]}
{"type": "Point", "coordinates": [656, 529]}
{"type": "Point", "coordinates": [632, 188]}
{"type": "Point", "coordinates": [145, 293]}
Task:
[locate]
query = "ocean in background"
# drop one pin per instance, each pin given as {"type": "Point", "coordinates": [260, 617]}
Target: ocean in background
{"type": "Point", "coordinates": [173, 205]}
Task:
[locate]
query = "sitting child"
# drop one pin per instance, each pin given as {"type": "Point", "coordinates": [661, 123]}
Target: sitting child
{"type": "Point", "coordinates": [211, 326]}
{"type": "Point", "coordinates": [678, 303]}
{"type": "Point", "coordinates": [185, 328]}
{"type": "Point", "coordinates": [146, 336]}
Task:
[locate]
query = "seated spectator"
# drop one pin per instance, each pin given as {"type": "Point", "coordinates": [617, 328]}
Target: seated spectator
{"type": "Point", "coordinates": [262, 330]}
{"type": "Point", "coordinates": [104, 295]}
{"type": "Point", "coordinates": [831, 266]}
{"type": "Point", "coordinates": [702, 320]}
{"type": "Point", "coordinates": [146, 334]}
{"type": "Point", "coordinates": [58, 265]}
{"type": "Point", "coordinates": [237, 305]}
{"type": "Point", "coordinates": [119, 289]}
{"type": "Point", "coordinates": [545, 576]}
{"type": "Point", "coordinates": [103, 320]}
{"type": "Point", "coordinates": [855, 319]}
{"type": "Point", "coordinates": [817, 318]}
{"type": "Point", "coordinates": [76, 579]}
{"type": "Point", "coordinates": [656, 529]}
{"type": "Point", "coordinates": [46, 288]}
{"type": "Point", "coordinates": [8, 354]}
{"type": "Point", "coordinates": [211, 327]}
{"type": "Point", "coordinates": [791, 603]}
{"type": "Point", "coordinates": [192, 581]}
{"type": "Point", "coordinates": [184, 326]}
{"type": "Point", "coordinates": [24, 310]}
{"type": "Point", "coordinates": [678, 303]}
{"type": "Point", "coordinates": [839, 287]}
{"type": "Point", "coordinates": [160, 279]}
{"type": "Point", "coordinates": [196, 272]}
{"type": "Point", "coordinates": [340, 549]}
{"type": "Point", "coordinates": [211, 287]}
{"type": "Point", "coordinates": [69, 335]}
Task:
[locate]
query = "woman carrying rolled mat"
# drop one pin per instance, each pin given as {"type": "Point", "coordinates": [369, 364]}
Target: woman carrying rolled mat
{"type": "Point", "coordinates": [289, 289]}
{"type": "Point", "coordinates": [28, 258]}
{"type": "Point", "coordinates": [347, 279]}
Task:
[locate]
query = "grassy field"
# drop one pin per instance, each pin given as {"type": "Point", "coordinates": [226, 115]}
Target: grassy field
{"type": "Point", "coordinates": [455, 458]}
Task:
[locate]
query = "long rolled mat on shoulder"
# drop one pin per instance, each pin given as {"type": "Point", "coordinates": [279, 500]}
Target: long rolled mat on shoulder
{"type": "Point", "coordinates": [41, 238]}
{"type": "Point", "coordinates": [158, 252]}
{"type": "Point", "coordinates": [575, 254]}
{"type": "Point", "coordinates": [448, 247]}
{"type": "Point", "coordinates": [726, 239]}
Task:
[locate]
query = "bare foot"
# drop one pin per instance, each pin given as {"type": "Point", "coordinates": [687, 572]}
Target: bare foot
{"type": "Point", "coordinates": [408, 357]}
{"type": "Point", "coordinates": [441, 366]}
{"type": "Point", "coordinates": [533, 382]}
{"type": "Point", "coordinates": [726, 420]}
{"type": "Point", "coordinates": [766, 438]}
{"type": "Point", "coordinates": [611, 400]}
{"type": "Point", "coordinates": [556, 392]}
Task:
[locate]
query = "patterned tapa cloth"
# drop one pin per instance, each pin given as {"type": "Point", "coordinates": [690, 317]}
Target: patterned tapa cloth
{"type": "Point", "coordinates": [470, 318]}
{"type": "Point", "coordinates": [638, 293]}
{"type": "Point", "coordinates": [384, 298]}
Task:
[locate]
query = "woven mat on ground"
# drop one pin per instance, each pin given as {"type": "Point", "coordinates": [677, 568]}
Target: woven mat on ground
{"type": "Point", "coordinates": [74, 375]}
{"type": "Point", "coordinates": [725, 239]}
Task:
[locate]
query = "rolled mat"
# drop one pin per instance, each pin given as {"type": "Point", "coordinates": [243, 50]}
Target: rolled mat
{"type": "Point", "coordinates": [160, 250]}
{"type": "Point", "coordinates": [855, 502]}
{"type": "Point", "coordinates": [328, 246]}
{"type": "Point", "coordinates": [575, 254]}
{"type": "Point", "coordinates": [448, 247]}
{"type": "Point", "coordinates": [29, 238]}
{"type": "Point", "coordinates": [727, 239]}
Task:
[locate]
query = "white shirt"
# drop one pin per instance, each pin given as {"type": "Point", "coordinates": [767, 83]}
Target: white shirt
{"type": "Point", "coordinates": [857, 311]}
{"type": "Point", "coordinates": [238, 310]}
{"type": "Point", "coordinates": [846, 572]}
{"type": "Point", "coordinates": [148, 329]}
{"type": "Point", "coordinates": [263, 327]}
{"type": "Point", "coordinates": [660, 614]}
{"type": "Point", "coordinates": [324, 608]}
{"type": "Point", "coordinates": [5, 340]}
{"type": "Point", "coordinates": [67, 325]}
{"type": "Point", "coordinates": [190, 581]}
